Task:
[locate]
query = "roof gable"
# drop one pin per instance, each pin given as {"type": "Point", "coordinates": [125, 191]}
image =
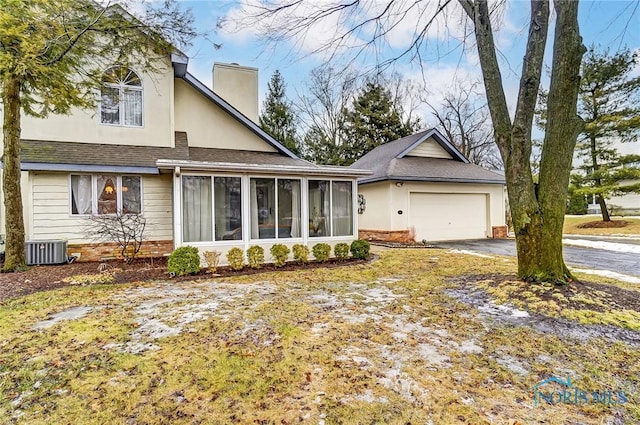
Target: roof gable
{"type": "Point", "coordinates": [233, 112]}
{"type": "Point", "coordinates": [432, 144]}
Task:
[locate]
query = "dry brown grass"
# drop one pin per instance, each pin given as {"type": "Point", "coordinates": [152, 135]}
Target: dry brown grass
{"type": "Point", "coordinates": [378, 343]}
{"type": "Point", "coordinates": [571, 224]}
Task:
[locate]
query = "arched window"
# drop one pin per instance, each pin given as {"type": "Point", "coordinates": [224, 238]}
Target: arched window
{"type": "Point", "coordinates": [121, 96]}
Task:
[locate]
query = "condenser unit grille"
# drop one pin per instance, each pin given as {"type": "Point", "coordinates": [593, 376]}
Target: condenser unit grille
{"type": "Point", "coordinates": [46, 252]}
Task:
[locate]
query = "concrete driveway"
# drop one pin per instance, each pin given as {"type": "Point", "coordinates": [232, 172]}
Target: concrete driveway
{"type": "Point", "coordinates": [581, 257]}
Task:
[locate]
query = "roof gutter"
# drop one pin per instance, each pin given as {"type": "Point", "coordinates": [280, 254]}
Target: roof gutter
{"type": "Point", "coordinates": [87, 168]}
{"type": "Point", "coordinates": [261, 168]}
{"type": "Point", "coordinates": [430, 179]}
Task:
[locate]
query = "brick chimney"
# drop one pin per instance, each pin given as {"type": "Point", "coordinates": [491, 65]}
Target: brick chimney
{"type": "Point", "coordinates": [238, 85]}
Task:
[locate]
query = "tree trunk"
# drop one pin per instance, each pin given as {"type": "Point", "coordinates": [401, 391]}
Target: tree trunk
{"type": "Point", "coordinates": [561, 133]}
{"type": "Point", "coordinates": [15, 258]}
{"type": "Point", "coordinates": [603, 208]}
{"type": "Point", "coordinates": [595, 168]}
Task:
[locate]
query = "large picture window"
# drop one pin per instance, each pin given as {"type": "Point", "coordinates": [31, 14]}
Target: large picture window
{"type": "Point", "coordinates": [121, 97]}
{"type": "Point", "coordinates": [106, 194]}
{"type": "Point", "coordinates": [330, 208]}
{"type": "Point", "coordinates": [275, 208]}
{"type": "Point", "coordinates": [211, 208]}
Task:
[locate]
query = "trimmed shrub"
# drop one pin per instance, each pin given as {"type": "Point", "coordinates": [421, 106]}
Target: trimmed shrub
{"type": "Point", "coordinates": [212, 258]}
{"type": "Point", "coordinates": [255, 256]}
{"type": "Point", "coordinates": [235, 258]}
{"type": "Point", "coordinates": [341, 251]}
{"type": "Point", "coordinates": [301, 253]}
{"type": "Point", "coordinates": [279, 253]}
{"type": "Point", "coordinates": [321, 251]}
{"type": "Point", "coordinates": [184, 260]}
{"type": "Point", "coordinates": [360, 249]}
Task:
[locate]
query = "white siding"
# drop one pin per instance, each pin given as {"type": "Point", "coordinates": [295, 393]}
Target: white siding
{"type": "Point", "coordinates": [50, 216]}
{"type": "Point", "coordinates": [430, 149]}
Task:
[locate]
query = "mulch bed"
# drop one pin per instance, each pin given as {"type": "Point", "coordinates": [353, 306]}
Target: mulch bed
{"type": "Point", "coordinates": [44, 278]}
{"type": "Point", "coordinates": [599, 224]}
{"type": "Point", "coordinates": [614, 297]}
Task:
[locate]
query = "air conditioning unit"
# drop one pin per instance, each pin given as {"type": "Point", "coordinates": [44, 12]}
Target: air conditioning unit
{"type": "Point", "coordinates": [46, 252]}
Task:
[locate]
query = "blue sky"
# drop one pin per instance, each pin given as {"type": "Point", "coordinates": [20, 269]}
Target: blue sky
{"type": "Point", "coordinates": [612, 23]}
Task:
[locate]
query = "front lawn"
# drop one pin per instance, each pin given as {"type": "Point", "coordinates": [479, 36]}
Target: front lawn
{"type": "Point", "coordinates": [416, 336]}
{"type": "Point", "coordinates": [571, 224]}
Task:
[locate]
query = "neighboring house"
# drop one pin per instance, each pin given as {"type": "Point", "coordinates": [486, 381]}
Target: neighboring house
{"type": "Point", "coordinates": [191, 160]}
{"type": "Point", "coordinates": [628, 204]}
{"type": "Point", "coordinates": [422, 187]}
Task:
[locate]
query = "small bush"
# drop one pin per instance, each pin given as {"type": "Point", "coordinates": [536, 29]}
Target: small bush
{"type": "Point", "coordinates": [341, 251]}
{"type": "Point", "coordinates": [360, 249]}
{"type": "Point", "coordinates": [235, 258]}
{"type": "Point", "coordinates": [279, 253]}
{"type": "Point", "coordinates": [301, 253]}
{"type": "Point", "coordinates": [255, 256]}
{"type": "Point", "coordinates": [321, 251]}
{"type": "Point", "coordinates": [212, 258]}
{"type": "Point", "coordinates": [184, 260]}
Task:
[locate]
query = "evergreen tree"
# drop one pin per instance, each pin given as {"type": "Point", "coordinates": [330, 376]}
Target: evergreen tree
{"type": "Point", "coordinates": [609, 104]}
{"type": "Point", "coordinates": [373, 120]}
{"type": "Point", "coordinates": [277, 117]}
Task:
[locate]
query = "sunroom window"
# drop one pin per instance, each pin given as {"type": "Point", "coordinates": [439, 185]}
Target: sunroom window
{"type": "Point", "coordinates": [275, 208]}
{"type": "Point", "coordinates": [330, 208]}
{"type": "Point", "coordinates": [105, 194]}
{"type": "Point", "coordinates": [121, 97]}
{"type": "Point", "coordinates": [211, 208]}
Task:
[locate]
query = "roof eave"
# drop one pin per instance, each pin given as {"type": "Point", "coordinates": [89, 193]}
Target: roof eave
{"type": "Point", "coordinates": [87, 168]}
{"type": "Point", "coordinates": [261, 168]}
{"type": "Point", "coordinates": [368, 180]}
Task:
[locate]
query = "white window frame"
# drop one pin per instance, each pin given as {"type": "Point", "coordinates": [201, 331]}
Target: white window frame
{"type": "Point", "coordinates": [94, 193]}
{"type": "Point", "coordinates": [353, 210]}
{"type": "Point", "coordinates": [121, 88]}
{"type": "Point", "coordinates": [277, 214]}
{"type": "Point", "coordinates": [213, 240]}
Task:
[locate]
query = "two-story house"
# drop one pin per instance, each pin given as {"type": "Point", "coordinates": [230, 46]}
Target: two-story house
{"type": "Point", "coordinates": [190, 159]}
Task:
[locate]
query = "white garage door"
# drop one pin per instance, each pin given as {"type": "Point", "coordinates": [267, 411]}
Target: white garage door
{"type": "Point", "coordinates": [448, 216]}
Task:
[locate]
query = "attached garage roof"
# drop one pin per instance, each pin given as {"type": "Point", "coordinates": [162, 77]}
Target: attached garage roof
{"type": "Point", "coordinates": [394, 161]}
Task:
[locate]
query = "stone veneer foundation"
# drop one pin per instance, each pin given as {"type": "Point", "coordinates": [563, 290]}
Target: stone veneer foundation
{"type": "Point", "coordinates": [111, 250]}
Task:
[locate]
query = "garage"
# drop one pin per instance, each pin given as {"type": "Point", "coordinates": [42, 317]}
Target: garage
{"type": "Point", "coordinates": [448, 216]}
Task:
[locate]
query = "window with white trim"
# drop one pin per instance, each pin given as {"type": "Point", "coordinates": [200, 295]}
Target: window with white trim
{"type": "Point", "coordinates": [105, 194]}
{"type": "Point", "coordinates": [330, 208]}
{"type": "Point", "coordinates": [275, 208]}
{"type": "Point", "coordinates": [121, 97]}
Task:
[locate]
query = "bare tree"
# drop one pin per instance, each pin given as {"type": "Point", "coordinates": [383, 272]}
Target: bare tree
{"type": "Point", "coordinates": [362, 27]}
{"type": "Point", "coordinates": [464, 118]}
{"type": "Point", "coordinates": [126, 230]}
{"type": "Point", "coordinates": [320, 110]}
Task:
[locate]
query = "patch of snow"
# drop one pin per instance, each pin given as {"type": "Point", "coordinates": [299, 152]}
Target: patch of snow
{"type": "Point", "coordinates": [513, 365]}
{"type": "Point", "coordinates": [465, 251]}
{"type": "Point", "coordinates": [70, 314]}
{"type": "Point", "coordinates": [608, 273]}
{"type": "Point", "coordinates": [467, 347]}
{"type": "Point", "coordinates": [430, 354]}
{"type": "Point", "coordinates": [607, 246]}
{"type": "Point", "coordinates": [493, 309]}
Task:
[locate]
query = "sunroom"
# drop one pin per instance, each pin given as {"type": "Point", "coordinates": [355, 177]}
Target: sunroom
{"type": "Point", "coordinates": [221, 205]}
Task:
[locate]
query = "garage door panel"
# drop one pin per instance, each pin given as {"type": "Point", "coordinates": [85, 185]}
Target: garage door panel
{"type": "Point", "coordinates": [448, 216]}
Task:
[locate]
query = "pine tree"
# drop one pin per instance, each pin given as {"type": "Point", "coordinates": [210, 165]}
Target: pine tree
{"type": "Point", "coordinates": [372, 120]}
{"type": "Point", "coordinates": [277, 117]}
{"type": "Point", "coordinates": [610, 106]}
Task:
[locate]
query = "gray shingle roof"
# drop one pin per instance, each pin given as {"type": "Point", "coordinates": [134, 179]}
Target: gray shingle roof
{"type": "Point", "coordinates": [388, 162]}
{"type": "Point", "coordinates": [38, 153]}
